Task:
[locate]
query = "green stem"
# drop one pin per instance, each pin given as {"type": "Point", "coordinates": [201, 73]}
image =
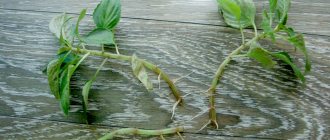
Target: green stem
{"type": "Point", "coordinates": [136, 131]}
{"type": "Point", "coordinates": [147, 64]}
{"type": "Point", "coordinates": [218, 75]}
{"type": "Point", "coordinates": [255, 30]}
{"type": "Point", "coordinates": [242, 33]}
{"type": "Point", "coordinates": [98, 70]}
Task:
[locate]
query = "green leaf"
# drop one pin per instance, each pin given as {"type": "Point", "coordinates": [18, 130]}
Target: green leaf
{"type": "Point", "coordinates": [53, 73]}
{"type": "Point", "coordinates": [81, 16]}
{"type": "Point", "coordinates": [65, 83]}
{"type": "Point", "coordinates": [260, 55]}
{"type": "Point", "coordinates": [238, 13]}
{"type": "Point", "coordinates": [285, 57]}
{"type": "Point", "coordinates": [107, 14]}
{"type": "Point", "coordinates": [85, 93]}
{"type": "Point", "coordinates": [265, 24]}
{"type": "Point", "coordinates": [62, 27]}
{"type": "Point", "coordinates": [140, 72]}
{"type": "Point", "coordinates": [281, 10]}
{"type": "Point", "coordinates": [230, 8]}
{"type": "Point", "coordinates": [65, 90]}
{"type": "Point", "coordinates": [299, 42]}
{"type": "Point", "coordinates": [272, 6]}
{"type": "Point", "coordinates": [99, 36]}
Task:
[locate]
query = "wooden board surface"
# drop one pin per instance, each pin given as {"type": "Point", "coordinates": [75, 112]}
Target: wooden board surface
{"type": "Point", "coordinates": [252, 102]}
{"type": "Point", "coordinates": [311, 17]}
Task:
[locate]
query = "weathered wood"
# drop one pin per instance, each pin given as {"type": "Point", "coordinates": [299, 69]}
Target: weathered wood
{"type": "Point", "coordinates": [306, 16]}
{"type": "Point", "coordinates": [253, 102]}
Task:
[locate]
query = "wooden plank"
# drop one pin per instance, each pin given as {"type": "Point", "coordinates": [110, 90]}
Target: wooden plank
{"type": "Point", "coordinates": [25, 128]}
{"type": "Point", "coordinates": [311, 17]}
{"type": "Point", "coordinates": [252, 102]}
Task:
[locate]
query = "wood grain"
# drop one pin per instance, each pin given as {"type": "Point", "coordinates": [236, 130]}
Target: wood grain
{"type": "Point", "coordinates": [311, 17]}
{"type": "Point", "coordinates": [252, 102]}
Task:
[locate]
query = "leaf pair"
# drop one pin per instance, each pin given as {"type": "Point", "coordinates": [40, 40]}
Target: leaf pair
{"type": "Point", "coordinates": [106, 16]}
{"type": "Point", "coordinates": [238, 13]}
{"type": "Point", "coordinates": [266, 58]}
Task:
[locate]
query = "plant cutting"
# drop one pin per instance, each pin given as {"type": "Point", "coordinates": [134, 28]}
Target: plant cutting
{"type": "Point", "coordinates": [71, 54]}
{"type": "Point", "coordinates": [238, 14]}
{"type": "Point", "coordinates": [241, 14]}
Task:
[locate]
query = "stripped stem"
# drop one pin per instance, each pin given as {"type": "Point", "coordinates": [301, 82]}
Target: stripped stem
{"type": "Point", "coordinates": [147, 64]}
{"type": "Point", "coordinates": [218, 75]}
{"type": "Point", "coordinates": [135, 131]}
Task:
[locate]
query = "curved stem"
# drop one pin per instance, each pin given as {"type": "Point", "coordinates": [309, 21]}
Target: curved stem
{"type": "Point", "coordinates": [147, 64]}
{"type": "Point", "coordinates": [218, 75]}
{"type": "Point", "coordinates": [136, 131]}
{"type": "Point", "coordinates": [242, 33]}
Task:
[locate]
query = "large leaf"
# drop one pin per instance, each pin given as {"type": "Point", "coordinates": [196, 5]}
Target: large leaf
{"type": "Point", "coordinates": [285, 57]}
{"type": "Point", "coordinates": [99, 36]}
{"type": "Point", "coordinates": [299, 42]}
{"type": "Point", "coordinates": [62, 27]}
{"type": "Point", "coordinates": [238, 13]}
{"type": "Point", "coordinates": [107, 14]}
{"type": "Point", "coordinates": [140, 72]}
{"type": "Point", "coordinates": [260, 55]}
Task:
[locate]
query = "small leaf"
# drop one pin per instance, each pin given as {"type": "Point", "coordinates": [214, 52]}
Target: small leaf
{"type": "Point", "coordinates": [107, 14]}
{"type": "Point", "coordinates": [140, 72]}
{"type": "Point", "coordinates": [61, 25]}
{"type": "Point", "coordinates": [260, 55]}
{"type": "Point", "coordinates": [272, 6]}
{"type": "Point", "coordinates": [85, 93]}
{"type": "Point", "coordinates": [285, 57]}
{"type": "Point", "coordinates": [81, 16]}
{"type": "Point", "coordinates": [53, 71]}
{"type": "Point", "coordinates": [265, 24]}
{"type": "Point", "coordinates": [282, 9]}
{"type": "Point", "coordinates": [99, 36]}
{"type": "Point", "coordinates": [299, 42]}
{"type": "Point", "coordinates": [238, 13]}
